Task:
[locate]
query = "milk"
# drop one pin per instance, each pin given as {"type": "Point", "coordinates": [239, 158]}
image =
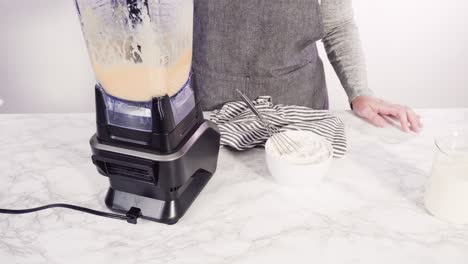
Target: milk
{"type": "Point", "coordinates": [446, 194]}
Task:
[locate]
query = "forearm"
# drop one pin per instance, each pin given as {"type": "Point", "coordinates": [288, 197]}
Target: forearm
{"type": "Point", "coordinates": [343, 47]}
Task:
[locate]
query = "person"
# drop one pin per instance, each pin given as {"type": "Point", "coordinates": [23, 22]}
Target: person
{"type": "Point", "coordinates": [268, 47]}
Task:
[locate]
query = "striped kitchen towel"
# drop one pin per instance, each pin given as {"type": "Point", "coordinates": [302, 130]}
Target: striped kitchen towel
{"type": "Point", "coordinates": [241, 129]}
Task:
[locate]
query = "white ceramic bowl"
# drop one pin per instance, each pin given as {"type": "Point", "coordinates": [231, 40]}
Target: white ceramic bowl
{"type": "Point", "coordinates": [298, 174]}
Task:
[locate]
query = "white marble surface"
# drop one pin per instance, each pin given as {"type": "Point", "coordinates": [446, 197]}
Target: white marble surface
{"type": "Point", "coordinates": [369, 209]}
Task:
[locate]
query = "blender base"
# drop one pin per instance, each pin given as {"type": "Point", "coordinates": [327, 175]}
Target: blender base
{"type": "Point", "coordinates": [162, 186]}
{"type": "Point", "coordinates": [167, 212]}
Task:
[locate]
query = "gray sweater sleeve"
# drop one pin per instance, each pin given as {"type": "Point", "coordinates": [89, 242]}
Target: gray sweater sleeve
{"type": "Point", "coordinates": [343, 46]}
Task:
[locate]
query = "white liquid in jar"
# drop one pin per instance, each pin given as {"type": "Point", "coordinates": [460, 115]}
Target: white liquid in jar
{"type": "Point", "coordinates": [446, 194]}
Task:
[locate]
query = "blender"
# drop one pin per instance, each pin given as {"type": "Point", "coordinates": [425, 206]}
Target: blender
{"type": "Point", "coordinates": [152, 141]}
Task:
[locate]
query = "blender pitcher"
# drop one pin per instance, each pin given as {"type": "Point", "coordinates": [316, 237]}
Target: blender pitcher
{"type": "Point", "coordinates": [151, 139]}
{"type": "Point", "coordinates": [139, 50]}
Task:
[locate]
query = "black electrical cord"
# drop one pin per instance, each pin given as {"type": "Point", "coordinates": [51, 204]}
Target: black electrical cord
{"type": "Point", "coordinates": [131, 216]}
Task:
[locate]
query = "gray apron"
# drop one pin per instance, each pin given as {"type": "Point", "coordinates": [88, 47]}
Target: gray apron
{"type": "Point", "coordinates": [261, 47]}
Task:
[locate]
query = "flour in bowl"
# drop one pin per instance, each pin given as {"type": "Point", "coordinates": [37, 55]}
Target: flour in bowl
{"type": "Point", "coordinates": [308, 148]}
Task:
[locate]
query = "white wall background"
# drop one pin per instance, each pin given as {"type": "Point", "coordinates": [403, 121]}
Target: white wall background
{"type": "Point", "coordinates": [417, 54]}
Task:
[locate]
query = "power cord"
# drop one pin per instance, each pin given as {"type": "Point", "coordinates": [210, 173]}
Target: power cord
{"type": "Point", "coordinates": [131, 216]}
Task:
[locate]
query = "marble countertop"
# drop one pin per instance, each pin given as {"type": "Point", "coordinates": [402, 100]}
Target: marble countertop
{"type": "Point", "coordinates": [368, 210]}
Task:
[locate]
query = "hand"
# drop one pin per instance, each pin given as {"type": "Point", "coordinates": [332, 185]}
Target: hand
{"type": "Point", "coordinates": [377, 111]}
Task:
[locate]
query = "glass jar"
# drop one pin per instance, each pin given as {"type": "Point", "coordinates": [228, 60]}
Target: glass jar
{"type": "Point", "coordinates": [446, 195]}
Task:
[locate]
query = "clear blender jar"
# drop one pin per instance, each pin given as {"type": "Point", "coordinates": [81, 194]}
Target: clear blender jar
{"type": "Point", "coordinates": [139, 50]}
